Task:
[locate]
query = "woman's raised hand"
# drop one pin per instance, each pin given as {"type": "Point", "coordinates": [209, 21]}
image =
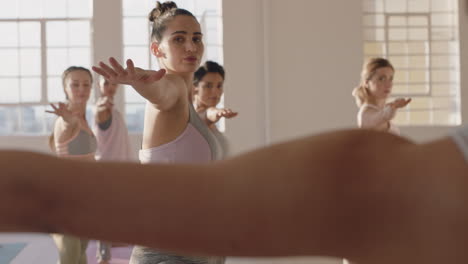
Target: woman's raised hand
{"type": "Point", "coordinates": [214, 114]}
{"type": "Point", "coordinates": [400, 103]}
{"type": "Point", "coordinates": [131, 75]}
{"type": "Point", "coordinates": [61, 110]}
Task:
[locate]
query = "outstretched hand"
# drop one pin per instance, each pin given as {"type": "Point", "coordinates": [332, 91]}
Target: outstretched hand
{"type": "Point", "coordinates": [214, 114]}
{"type": "Point", "coordinates": [104, 103]}
{"type": "Point", "coordinates": [61, 110]}
{"type": "Point", "coordinates": [400, 103]}
{"type": "Point", "coordinates": [160, 89]}
{"type": "Point", "coordinates": [130, 75]}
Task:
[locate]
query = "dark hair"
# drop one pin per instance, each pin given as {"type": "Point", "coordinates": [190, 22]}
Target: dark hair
{"type": "Point", "coordinates": [361, 93]}
{"type": "Point", "coordinates": [162, 14]}
{"type": "Point", "coordinates": [207, 67]}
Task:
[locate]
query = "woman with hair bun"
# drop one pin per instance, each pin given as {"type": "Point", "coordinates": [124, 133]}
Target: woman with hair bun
{"type": "Point", "coordinates": [208, 88]}
{"type": "Point", "coordinates": [173, 131]}
{"type": "Point", "coordinates": [371, 96]}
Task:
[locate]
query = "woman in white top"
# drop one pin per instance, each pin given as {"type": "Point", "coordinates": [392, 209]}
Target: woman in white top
{"type": "Point", "coordinates": [372, 95]}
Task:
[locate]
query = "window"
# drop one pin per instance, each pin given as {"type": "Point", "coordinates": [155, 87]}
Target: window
{"type": "Point", "coordinates": [421, 39]}
{"type": "Point", "coordinates": [137, 41]}
{"type": "Point", "coordinates": [38, 43]}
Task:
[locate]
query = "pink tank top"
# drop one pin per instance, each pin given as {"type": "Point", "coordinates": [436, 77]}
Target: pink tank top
{"type": "Point", "coordinates": [197, 144]}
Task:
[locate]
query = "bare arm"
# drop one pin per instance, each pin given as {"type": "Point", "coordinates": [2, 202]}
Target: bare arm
{"type": "Point", "coordinates": [66, 123]}
{"type": "Point", "coordinates": [335, 194]}
{"type": "Point", "coordinates": [377, 119]}
{"type": "Point", "coordinates": [104, 109]}
{"type": "Point", "coordinates": [161, 89]}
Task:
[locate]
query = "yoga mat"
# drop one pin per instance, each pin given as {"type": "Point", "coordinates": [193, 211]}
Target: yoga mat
{"type": "Point", "coordinates": [9, 251]}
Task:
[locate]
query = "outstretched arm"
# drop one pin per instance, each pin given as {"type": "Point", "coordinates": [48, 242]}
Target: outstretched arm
{"type": "Point", "coordinates": [365, 195]}
{"type": "Point", "coordinates": [161, 89]}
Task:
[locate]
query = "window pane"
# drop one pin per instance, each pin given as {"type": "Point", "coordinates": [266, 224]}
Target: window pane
{"type": "Point", "coordinates": [30, 90]}
{"type": "Point", "coordinates": [187, 4]}
{"type": "Point", "coordinates": [9, 89]}
{"type": "Point", "coordinates": [418, 21]}
{"type": "Point", "coordinates": [80, 57]}
{"type": "Point", "coordinates": [134, 114]}
{"type": "Point", "coordinates": [55, 91]}
{"type": "Point", "coordinates": [55, 8]}
{"type": "Point", "coordinates": [418, 89]}
{"type": "Point", "coordinates": [139, 55]}
{"type": "Point", "coordinates": [444, 62]}
{"type": "Point", "coordinates": [138, 8]}
{"type": "Point", "coordinates": [444, 47]}
{"type": "Point", "coordinates": [443, 102]}
{"type": "Point", "coordinates": [131, 96]}
{"type": "Point", "coordinates": [81, 9]}
{"type": "Point", "coordinates": [32, 119]}
{"type": "Point", "coordinates": [136, 31]}
{"type": "Point", "coordinates": [30, 34]}
{"type": "Point", "coordinates": [9, 9]}
{"type": "Point", "coordinates": [442, 90]}
{"type": "Point", "coordinates": [30, 8]}
{"type": "Point", "coordinates": [418, 62]}
{"type": "Point", "coordinates": [419, 5]}
{"type": "Point", "coordinates": [397, 48]}
{"type": "Point", "coordinates": [399, 62]}
{"type": "Point", "coordinates": [57, 61]}
{"type": "Point", "coordinates": [216, 23]}
{"type": "Point", "coordinates": [416, 48]}
{"type": "Point", "coordinates": [443, 34]}
{"type": "Point", "coordinates": [9, 65]}
{"type": "Point", "coordinates": [418, 34]}
{"type": "Point", "coordinates": [374, 48]}
{"type": "Point", "coordinates": [374, 34]}
{"type": "Point", "coordinates": [9, 34]}
{"type": "Point", "coordinates": [400, 89]}
{"type": "Point", "coordinates": [374, 6]}
{"type": "Point", "coordinates": [418, 77]}
{"type": "Point", "coordinates": [56, 34]}
{"type": "Point", "coordinates": [79, 33]}
{"type": "Point", "coordinates": [397, 21]}
{"type": "Point", "coordinates": [397, 34]}
{"type": "Point", "coordinates": [204, 6]}
{"type": "Point", "coordinates": [212, 38]}
{"type": "Point", "coordinates": [215, 53]}
{"type": "Point", "coordinates": [30, 60]}
{"type": "Point", "coordinates": [438, 5]}
{"type": "Point", "coordinates": [444, 76]}
{"type": "Point", "coordinates": [443, 20]}
{"type": "Point", "coordinates": [400, 77]}
{"type": "Point", "coordinates": [8, 120]}
{"type": "Point", "coordinates": [368, 20]}
{"type": "Point", "coordinates": [396, 6]}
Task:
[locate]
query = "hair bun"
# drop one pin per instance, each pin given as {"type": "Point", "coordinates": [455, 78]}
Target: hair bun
{"type": "Point", "coordinates": [160, 9]}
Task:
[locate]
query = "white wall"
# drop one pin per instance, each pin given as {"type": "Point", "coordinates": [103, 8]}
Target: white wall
{"type": "Point", "coordinates": [292, 66]}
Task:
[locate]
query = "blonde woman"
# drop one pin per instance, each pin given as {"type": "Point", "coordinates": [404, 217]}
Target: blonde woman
{"type": "Point", "coordinates": [372, 94]}
{"type": "Point", "coordinates": [73, 139]}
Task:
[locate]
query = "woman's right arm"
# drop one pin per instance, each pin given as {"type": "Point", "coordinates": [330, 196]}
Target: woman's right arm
{"type": "Point", "coordinates": [161, 89]}
{"type": "Point", "coordinates": [359, 194]}
{"type": "Point", "coordinates": [377, 119]}
{"type": "Point", "coordinates": [66, 123]}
